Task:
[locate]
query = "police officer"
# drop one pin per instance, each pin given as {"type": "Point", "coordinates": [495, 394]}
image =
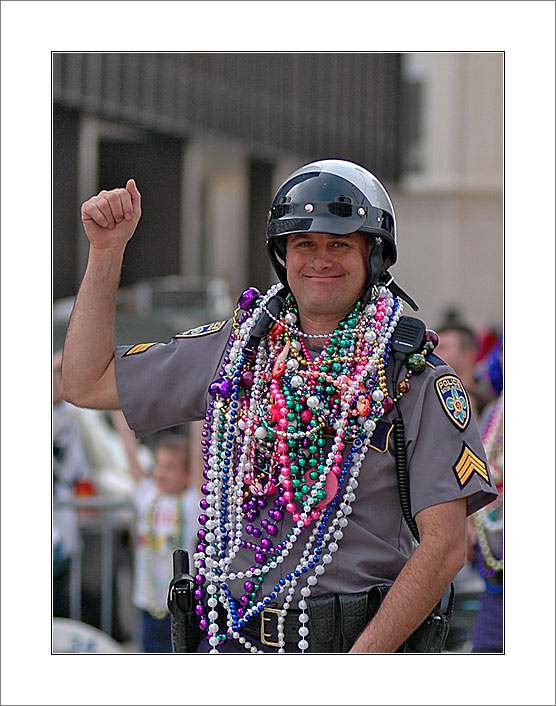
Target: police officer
{"type": "Point", "coordinates": [307, 526]}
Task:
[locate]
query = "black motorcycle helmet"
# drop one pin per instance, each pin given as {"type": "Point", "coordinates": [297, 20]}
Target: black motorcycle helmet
{"type": "Point", "coordinates": [338, 197]}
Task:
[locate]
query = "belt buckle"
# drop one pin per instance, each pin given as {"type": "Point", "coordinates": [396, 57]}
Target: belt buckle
{"type": "Point", "coordinates": [264, 635]}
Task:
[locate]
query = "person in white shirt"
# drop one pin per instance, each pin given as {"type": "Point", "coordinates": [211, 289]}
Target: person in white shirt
{"type": "Point", "coordinates": [167, 508]}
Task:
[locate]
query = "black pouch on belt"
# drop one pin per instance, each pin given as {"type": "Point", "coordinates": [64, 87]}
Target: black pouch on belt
{"type": "Point", "coordinates": [324, 633]}
{"type": "Point", "coordinates": [354, 616]}
{"type": "Point", "coordinates": [431, 635]}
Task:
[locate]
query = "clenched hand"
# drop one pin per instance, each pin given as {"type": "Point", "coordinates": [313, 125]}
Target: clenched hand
{"type": "Point", "coordinates": [111, 217]}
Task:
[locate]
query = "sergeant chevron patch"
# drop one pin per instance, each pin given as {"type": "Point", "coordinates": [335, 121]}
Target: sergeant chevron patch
{"type": "Point", "coordinates": [467, 464]}
{"type": "Point", "coordinates": [454, 400]}
{"type": "Point", "coordinates": [202, 330]}
{"type": "Point", "coordinates": [139, 348]}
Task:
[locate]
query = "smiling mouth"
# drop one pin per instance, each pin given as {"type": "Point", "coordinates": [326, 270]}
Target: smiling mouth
{"type": "Point", "coordinates": [323, 276]}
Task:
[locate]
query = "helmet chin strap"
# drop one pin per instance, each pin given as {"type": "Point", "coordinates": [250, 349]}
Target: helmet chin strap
{"type": "Point", "coordinates": [397, 291]}
{"type": "Point", "coordinates": [378, 274]}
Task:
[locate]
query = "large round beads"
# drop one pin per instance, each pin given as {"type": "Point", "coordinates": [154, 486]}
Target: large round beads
{"type": "Point", "coordinates": [248, 298]}
{"type": "Point", "coordinates": [416, 363]}
{"type": "Point", "coordinates": [221, 388]}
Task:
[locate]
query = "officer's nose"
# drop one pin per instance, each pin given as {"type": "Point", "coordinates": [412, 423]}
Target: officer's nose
{"type": "Point", "coordinates": [322, 257]}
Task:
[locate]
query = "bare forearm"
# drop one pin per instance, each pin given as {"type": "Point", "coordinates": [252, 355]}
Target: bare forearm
{"type": "Point", "coordinates": [418, 588]}
{"type": "Point", "coordinates": [87, 368]}
{"type": "Point", "coordinates": [131, 445]}
{"type": "Point", "coordinates": [88, 372]}
{"type": "Point", "coordinates": [422, 581]}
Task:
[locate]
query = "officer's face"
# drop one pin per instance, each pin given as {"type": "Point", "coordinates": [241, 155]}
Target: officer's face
{"type": "Point", "coordinates": [170, 472]}
{"type": "Point", "coordinates": [327, 273]}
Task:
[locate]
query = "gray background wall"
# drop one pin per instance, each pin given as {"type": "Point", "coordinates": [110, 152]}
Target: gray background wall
{"type": "Point", "coordinates": [209, 137]}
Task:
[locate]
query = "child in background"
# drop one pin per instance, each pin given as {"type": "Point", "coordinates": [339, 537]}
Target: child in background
{"type": "Point", "coordinates": [167, 509]}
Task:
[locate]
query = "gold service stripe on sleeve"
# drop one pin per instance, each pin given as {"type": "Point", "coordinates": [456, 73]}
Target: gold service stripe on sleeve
{"type": "Point", "coordinates": [139, 348]}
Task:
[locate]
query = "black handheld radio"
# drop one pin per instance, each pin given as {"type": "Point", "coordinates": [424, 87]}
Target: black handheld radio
{"type": "Point", "coordinates": [408, 338]}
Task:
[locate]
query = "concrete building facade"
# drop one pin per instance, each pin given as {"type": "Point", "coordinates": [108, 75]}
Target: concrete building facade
{"type": "Point", "coordinates": [210, 137]}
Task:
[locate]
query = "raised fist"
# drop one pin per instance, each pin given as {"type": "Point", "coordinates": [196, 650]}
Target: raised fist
{"type": "Point", "coordinates": [111, 217]}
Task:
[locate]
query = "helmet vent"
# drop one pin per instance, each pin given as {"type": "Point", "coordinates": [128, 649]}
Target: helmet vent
{"type": "Point", "coordinates": [281, 209]}
{"type": "Point", "coordinates": [342, 209]}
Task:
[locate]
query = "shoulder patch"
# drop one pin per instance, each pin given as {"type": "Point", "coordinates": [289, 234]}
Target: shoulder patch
{"type": "Point", "coordinates": [435, 360]}
{"type": "Point", "coordinates": [454, 400]}
{"type": "Point", "coordinates": [202, 330]}
{"type": "Point", "coordinates": [139, 348]}
{"type": "Point", "coordinates": [467, 464]}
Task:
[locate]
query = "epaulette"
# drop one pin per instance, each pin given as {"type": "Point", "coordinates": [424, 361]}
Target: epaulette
{"type": "Point", "coordinates": [381, 436]}
{"type": "Point", "coordinates": [435, 361]}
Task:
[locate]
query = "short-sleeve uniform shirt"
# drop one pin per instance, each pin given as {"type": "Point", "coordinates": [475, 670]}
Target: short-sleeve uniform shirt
{"type": "Point", "coordinates": [162, 385]}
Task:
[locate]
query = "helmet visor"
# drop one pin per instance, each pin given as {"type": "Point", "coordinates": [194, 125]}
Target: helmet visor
{"type": "Point", "coordinates": [336, 218]}
{"type": "Point", "coordinates": [324, 203]}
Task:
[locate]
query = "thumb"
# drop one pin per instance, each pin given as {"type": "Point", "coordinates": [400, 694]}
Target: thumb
{"type": "Point", "coordinates": [133, 192]}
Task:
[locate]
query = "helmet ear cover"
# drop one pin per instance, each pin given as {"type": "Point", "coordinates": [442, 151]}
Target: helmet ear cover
{"type": "Point", "coordinates": [379, 261]}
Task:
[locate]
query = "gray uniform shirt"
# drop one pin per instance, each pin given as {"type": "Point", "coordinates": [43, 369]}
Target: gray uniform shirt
{"type": "Point", "coordinates": [165, 384]}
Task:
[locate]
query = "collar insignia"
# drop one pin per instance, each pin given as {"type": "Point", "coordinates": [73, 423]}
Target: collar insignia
{"type": "Point", "coordinates": [202, 330]}
{"type": "Point", "coordinates": [454, 400]}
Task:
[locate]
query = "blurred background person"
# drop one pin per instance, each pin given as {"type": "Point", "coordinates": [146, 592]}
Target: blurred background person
{"type": "Point", "coordinates": [476, 358]}
{"type": "Point", "coordinates": [459, 347]}
{"type": "Point", "coordinates": [487, 525]}
{"type": "Point", "coordinates": [489, 374]}
{"type": "Point", "coordinates": [89, 460]}
{"type": "Point", "coordinates": [69, 465]}
{"type": "Point", "coordinates": [167, 507]}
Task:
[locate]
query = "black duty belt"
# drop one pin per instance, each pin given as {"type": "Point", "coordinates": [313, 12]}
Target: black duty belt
{"type": "Point", "coordinates": [335, 621]}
